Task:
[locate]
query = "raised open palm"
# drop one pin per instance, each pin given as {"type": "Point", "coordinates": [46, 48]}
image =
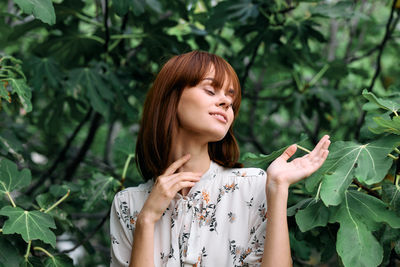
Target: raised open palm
{"type": "Point", "coordinates": [280, 171]}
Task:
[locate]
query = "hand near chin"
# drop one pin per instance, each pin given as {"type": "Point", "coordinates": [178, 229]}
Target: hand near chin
{"type": "Point", "coordinates": [282, 173]}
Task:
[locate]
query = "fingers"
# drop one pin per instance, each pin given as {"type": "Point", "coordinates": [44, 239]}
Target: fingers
{"type": "Point", "coordinates": [183, 176]}
{"type": "Point", "coordinates": [168, 186]}
{"type": "Point", "coordinates": [176, 165]}
{"type": "Point", "coordinates": [289, 152]}
{"type": "Point", "coordinates": [322, 144]}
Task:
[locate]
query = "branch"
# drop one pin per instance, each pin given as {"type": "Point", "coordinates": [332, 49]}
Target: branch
{"type": "Point", "coordinates": [107, 33]}
{"type": "Point", "coordinates": [248, 66]}
{"type": "Point", "coordinates": [61, 155]}
{"type": "Point", "coordinates": [386, 37]}
{"type": "Point", "coordinates": [109, 139]}
{"type": "Point", "coordinates": [371, 192]}
{"type": "Point", "coordinates": [95, 124]}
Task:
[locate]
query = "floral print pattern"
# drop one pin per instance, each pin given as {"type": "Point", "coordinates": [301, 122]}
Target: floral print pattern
{"type": "Point", "coordinates": [204, 228]}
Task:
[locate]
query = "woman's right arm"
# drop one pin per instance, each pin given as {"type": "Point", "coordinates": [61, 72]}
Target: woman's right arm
{"type": "Point", "coordinates": [164, 190]}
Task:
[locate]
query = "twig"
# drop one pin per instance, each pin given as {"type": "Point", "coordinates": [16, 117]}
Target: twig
{"type": "Point", "coordinates": [58, 202]}
{"type": "Point", "coordinates": [86, 239]}
{"type": "Point", "coordinates": [107, 33]}
{"type": "Point", "coordinates": [95, 124]}
{"type": "Point", "coordinates": [44, 251]}
{"type": "Point", "coordinates": [28, 249]}
{"type": "Point", "coordinates": [61, 155]}
{"type": "Point", "coordinates": [248, 66]}
{"type": "Point", "coordinates": [11, 199]}
{"type": "Point", "coordinates": [371, 192]}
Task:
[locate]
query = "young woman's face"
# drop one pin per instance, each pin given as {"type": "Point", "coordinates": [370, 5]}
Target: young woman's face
{"type": "Point", "coordinates": [205, 111]}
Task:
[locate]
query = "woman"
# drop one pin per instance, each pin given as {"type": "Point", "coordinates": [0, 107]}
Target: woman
{"type": "Point", "coordinates": [198, 207]}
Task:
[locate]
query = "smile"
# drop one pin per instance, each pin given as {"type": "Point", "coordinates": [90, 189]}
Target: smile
{"type": "Point", "coordinates": [219, 116]}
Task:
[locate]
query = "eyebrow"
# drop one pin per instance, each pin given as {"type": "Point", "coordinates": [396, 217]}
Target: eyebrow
{"type": "Point", "coordinates": [230, 90]}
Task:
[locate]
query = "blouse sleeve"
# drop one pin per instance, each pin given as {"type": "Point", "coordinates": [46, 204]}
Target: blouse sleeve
{"type": "Point", "coordinates": [257, 221]}
{"type": "Point", "coordinates": [122, 226]}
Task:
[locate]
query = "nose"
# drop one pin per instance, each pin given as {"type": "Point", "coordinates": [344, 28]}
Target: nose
{"type": "Point", "coordinates": [224, 101]}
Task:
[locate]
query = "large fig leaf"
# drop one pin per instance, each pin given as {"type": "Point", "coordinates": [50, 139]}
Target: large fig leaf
{"type": "Point", "coordinates": [10, 178]}
{"type": "Point", "coordinates": [386, 125]}
{"type": "Point", "coordinates": [346, 160]}
{"type": "Point", "coordinates": [355, 243]}
{"type": "Point", "coordinates": [315, 214]}
{"type": "Point", "coordinates": [30, 225]}
{"type": "Point", "coordinates": [382, 103]}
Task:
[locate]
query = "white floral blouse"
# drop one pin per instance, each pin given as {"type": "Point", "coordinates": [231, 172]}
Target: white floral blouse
{"type": "Point", "coordinates": [221, 222]}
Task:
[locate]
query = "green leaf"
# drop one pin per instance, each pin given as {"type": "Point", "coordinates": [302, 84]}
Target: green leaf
{"type": "Point", "coordinates": [46, 200]}
{"type": "Point", "coordinates": [23, 91]}
{"type": "Point", "coordinates": [386, 125]}
{"type": "Point", "coordinates": [9, 255]}
{"type": "Point", "coordinates": [346, 160]}
{"type": "Point", "coordinates": [31, 225]}
{"type": "Point", "coordinates": [262, 161]}
{"type": "Point", "coordinates": [371, 209]}
{"type": "Point", "coordinates": [126, 145]}
{"type": "Point", "coordinates": [355, 244]}
{"type": "Point", "coordinates": [299, 205]}
{"type": "Point", "coordinates": [102, 188]}
{"type": "Point", "coordinates": [41, 9]}
{"type": "Point", "coordinates": [59, 261]}
{"type": "Point", "coordinates": [391, 194]}
{"type": "Point", "coordinates": [98, 94]}
{"type": "Point", "coordinates": [44, 70]}
{"type": "Point", "coordinates": [382, 103]}
{"type": "Point", "coordinates": [315, 214]}
{"type": "Point", "coordinates": [32, 262]}
{"type": "Point", "coordinates": [121, 7]}
{"type": "Point", "coordinates": [11, 179]}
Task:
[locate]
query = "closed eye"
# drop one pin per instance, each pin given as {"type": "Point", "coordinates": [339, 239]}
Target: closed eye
{"type": "Point", "coordinates": [209, 91]}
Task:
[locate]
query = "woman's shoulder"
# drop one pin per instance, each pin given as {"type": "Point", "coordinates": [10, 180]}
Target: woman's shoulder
{"type": "Point", "coordinates": [248, 172]}
{"type": "Point", "coordinates": [135, 191]}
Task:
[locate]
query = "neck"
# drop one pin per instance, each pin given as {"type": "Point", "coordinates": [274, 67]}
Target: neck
{"type": "Point", "coordinates": [199, 158]}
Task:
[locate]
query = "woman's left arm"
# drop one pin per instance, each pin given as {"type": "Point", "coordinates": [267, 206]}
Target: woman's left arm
{"type": "Point", "coordinates": [280, 175]}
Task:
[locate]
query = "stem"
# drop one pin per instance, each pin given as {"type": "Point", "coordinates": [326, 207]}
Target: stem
{"type": "Point", "coordinates": [303, 148]}
{"type": "Point", "coordinates": [396, 182]}
{"type": "Point", "coordinates": [397, 150]}
{"type": "Point", "coordinates": [319, 75]}
{"type": "Point", "coordinates": [393, 157]}
{"type": "Point", "coordinates": [28, 250]}
{"type": "Point", "coordinates": [376, 188]}
{"type": "Point", "coordinates": [319, 189]}
{"type": "Point", "coordinates": [11, 199]}
{"type": "Point", "coordinates": [1, 230]}
{"type": "Point", "coordinates": [395, 113]}
{"type": "Point", "coordinates": [128, 160]}
{"type": "Point", "coordinates": [44, 251]}
{"type": "Point", "coordinates": [58, 202]}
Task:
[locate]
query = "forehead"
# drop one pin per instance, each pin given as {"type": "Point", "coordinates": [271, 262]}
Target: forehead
{"type": "Point", "coordinates": [219, 79]}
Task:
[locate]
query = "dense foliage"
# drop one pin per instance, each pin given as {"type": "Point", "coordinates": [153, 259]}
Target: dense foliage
{"type": "Point", "coordinates": [73, 76]}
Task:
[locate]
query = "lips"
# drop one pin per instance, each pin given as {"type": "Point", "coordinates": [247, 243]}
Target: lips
{"type": "Point", "coordinates": [220, 116]}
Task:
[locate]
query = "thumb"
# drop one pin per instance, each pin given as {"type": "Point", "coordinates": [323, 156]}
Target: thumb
{"type": "Point", "coordinates": [288, 153]}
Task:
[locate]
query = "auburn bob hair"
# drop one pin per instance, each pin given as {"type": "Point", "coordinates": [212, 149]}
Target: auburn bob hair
{"type": "Point", "coordinates": [160, 121]}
